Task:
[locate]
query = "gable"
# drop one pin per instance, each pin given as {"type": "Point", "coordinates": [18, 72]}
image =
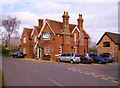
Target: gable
{"type": "Point", "coordinates": [34, 30]}
{"type": "Point", "coordinates": [76, 28]}
{"type": "Point", "coordinates": [44, 25]}
{"type": "Point", "coordinates": [115, 39]}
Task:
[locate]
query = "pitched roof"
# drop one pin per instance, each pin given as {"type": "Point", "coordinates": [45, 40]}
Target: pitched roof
{"type": "Point", "coordinates": [113, 36]}
{"type": "Point", "coordinates": [28, 31]}
{"type": "Point", "coordinates": [57, 26]}
{"type": "Point", "coordinates": [37, 28]}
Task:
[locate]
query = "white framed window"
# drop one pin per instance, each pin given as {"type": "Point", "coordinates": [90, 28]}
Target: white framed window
{"type": "Point", "coordinates": [46, 36]}
{"type": "Point", "coordinates": [24, 40]}
{"type": "Point", "coordinates": [47, 50]}
{"type": "Point", "coordinates": [35, 38]}
{"type": "Point", "coordinates": [24, 50]}
{"type": "Point", "coordinates": [74, 36]}
{"type": "Point", "coordinates": [74, 49]}
{"type": "Point", "coordinates": [60, 50]}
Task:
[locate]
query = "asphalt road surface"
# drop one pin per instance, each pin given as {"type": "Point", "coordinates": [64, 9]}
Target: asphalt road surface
{"type": "Point", "coordinates": [19, 72]}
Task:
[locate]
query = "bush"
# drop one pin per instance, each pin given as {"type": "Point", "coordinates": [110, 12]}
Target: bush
{"type": "Point", "coordinates": [5, 51]}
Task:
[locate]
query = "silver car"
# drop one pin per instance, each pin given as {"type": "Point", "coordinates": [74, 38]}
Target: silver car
{"type": "Point", "coordinates": [71, 57]}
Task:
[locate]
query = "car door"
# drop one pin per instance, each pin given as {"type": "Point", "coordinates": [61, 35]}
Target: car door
{"type": "Point", "coordinates": [68, 57]}
{"type": "Point", "coordinates": [63, 56]}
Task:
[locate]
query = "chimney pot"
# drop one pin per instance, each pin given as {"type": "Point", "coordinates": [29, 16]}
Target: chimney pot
{"type": "Point", "coordinates": [64, 12]}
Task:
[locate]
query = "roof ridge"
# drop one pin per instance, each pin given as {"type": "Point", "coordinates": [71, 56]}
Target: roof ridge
{"type": "Point", "coordinates": [113, 33]}
{"type": "Point", "coordinates": [59, 21]}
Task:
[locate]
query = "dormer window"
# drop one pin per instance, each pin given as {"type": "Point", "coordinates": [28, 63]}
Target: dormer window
{"type": "Point", "coordinates": [24, 40]}
{"type": "Point", "coordinates": [46, 36]}
{"type": "Point", "coordinates": [35, 38]}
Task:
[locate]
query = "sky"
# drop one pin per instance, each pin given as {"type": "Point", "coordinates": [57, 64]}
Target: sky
{"type": "Point", "coordinates": [99, 15]}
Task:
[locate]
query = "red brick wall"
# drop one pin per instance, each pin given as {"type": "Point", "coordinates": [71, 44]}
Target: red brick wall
{"type": "Point", "coordinates": [32, 42]}
{"type": "Point", "coordinates": [113, 49]}
{"type": "Point", "coordinates": [26, 45]}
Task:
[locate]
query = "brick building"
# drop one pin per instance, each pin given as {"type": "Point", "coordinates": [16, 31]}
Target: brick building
{"type": "Point", "coordinates": [53, 38]}
{"type": "Point", "coordinates": [110, 43]}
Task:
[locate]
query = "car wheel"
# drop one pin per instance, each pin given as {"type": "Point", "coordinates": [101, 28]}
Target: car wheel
{"type": "Point", "coordinates": [71, 61]}
{"type": "Point", "coordinates": [13, 56]}
{"type": "Point", "coordinates": [99, 62]}
{"type": "Point", "coordinates": [58, 60]}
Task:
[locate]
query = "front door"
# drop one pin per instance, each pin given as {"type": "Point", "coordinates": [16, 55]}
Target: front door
{"type": "Point", "coordinates": [39, 53]}
{"type": "Point", "coordinates": [84, 51]}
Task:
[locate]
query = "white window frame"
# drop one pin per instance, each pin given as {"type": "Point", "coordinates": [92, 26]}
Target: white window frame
{"type": "Point", "coordinates": [24, 50]}
{"type": "Point", "coordinates": [47, 50]}
{"type": "Point", "coordinates": [74, 36]}
{"type": "Point", "coordinates": [24, 40]}
{"type": "Point", "coordinates": [46, 36]}
{"type": "Point", "coordinates": [60, 50]}
{"type": "Point", "coordinates": [74, 49]}
{"type": "Point", "coordinates": [35, 38]}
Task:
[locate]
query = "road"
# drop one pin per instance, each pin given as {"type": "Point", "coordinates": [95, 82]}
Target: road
{"type": "Point", "coordinates": [19, 72]}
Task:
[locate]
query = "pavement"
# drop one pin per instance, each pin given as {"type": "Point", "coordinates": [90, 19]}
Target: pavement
{"type": "Point", "coordinates": [30, 72]}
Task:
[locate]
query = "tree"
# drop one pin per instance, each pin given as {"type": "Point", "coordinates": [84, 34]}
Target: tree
{"type": "Point", "coordinates": [10, 24]}
{"type": "Point", "coordinates": [92, 46]}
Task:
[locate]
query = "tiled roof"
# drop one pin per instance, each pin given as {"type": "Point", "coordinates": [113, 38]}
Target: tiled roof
{"type": "Point", "coordinates": [113, 36]}
{"type": "Point", "coordinates": [37, 28]}
{"type": "Point", "coordinates": [57, 26]}
{"type": "Point", "coordinates": [28, 31]}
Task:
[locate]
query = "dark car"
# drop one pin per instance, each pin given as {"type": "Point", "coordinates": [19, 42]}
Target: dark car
{"type": "Point", "coordinates": [99, 60]}
{"type": "Point", "coordinates": [86, 59]}
{"type": "Point", "coordinates": [108, 57]}
{"type": "Point", "coordinates": [18, 55]}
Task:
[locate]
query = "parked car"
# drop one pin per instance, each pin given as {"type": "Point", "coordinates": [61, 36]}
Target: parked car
{"type": "Point", "coordinates": [86, 59]}
{"type": "Point", "coordinates": [99, 60]}
{"type": "Point", "coordinates": [18, 55]}
{"type": "Point", "coordinates": [70, 57]}
{"type": "Point", "coordinates": [108, 57]}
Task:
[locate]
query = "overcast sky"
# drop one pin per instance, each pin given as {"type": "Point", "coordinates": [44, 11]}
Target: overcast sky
{"type": "Point", "coordinates": [99, 17]}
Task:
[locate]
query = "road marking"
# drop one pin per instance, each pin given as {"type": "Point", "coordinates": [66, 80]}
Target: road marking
{"type": "Point", "coordinates": [95, 76]}
{"type": "Point", "coordinates": [80, 72]}
{"type": "Point", "coordinates": [73, 70]}
{"type": "Point", "coordinates": [104, 78]}
{"type": "Point", "coordinates": [116, 81]}
{"type": "Point", "coordinates": [54, 81]}
{"type": "Point", "coordinates": [86, 73]}
{"type": "Point", "coordinates": [102, 75]}
{"type": "Point", "coordinates": [110, 78]}
{"type": "Point", "coordinates": [92, 73]}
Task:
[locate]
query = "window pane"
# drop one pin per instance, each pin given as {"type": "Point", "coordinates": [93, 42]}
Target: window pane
{"type": "Point", "coordinates": [106, 44]}
{"type": "Point", "coordinates": [47, 50]}
{"type": "Point", "coordinates": [60, 50]}
{"type": "Point", "coordinates": [74, 36]}
{"type": "Point", "coordinates": [74, 49]}
{"type": "Point", "coordinates": [24, 40]}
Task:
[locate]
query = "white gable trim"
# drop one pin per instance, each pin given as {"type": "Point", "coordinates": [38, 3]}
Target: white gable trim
{"type": "Point", "coordinates": [35, 46]}
{"type": "Point", "coordinates": [76, 28]}
{"type": "Point", "coordinates": [33, 31]}
{"type": "Point", "coordinates": [22, 34]}
{"type": "Point", "coordinates": [44, 27]}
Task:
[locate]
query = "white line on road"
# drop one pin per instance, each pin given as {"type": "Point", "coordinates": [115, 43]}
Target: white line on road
{"type": "Point", "coordinates": [104, 78]}
{"type": "Point", "coordinates": [95, 76]}
{"type": "Point", "coordinates": [86, 73]}
{"type": "Point", "coordinates": [80, 72]}
{"type": "Point", "coordinates": [54, 81]}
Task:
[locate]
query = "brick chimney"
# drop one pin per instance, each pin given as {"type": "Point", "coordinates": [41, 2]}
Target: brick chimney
{"type": "Point", "coordinates": [40, 23]}
{"type": "Point", "coordinates": [80, 26]}
{"type": "Point", "coordinates": [80, 21]}
{"type": "Point", "coordinates": [65, 28]}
